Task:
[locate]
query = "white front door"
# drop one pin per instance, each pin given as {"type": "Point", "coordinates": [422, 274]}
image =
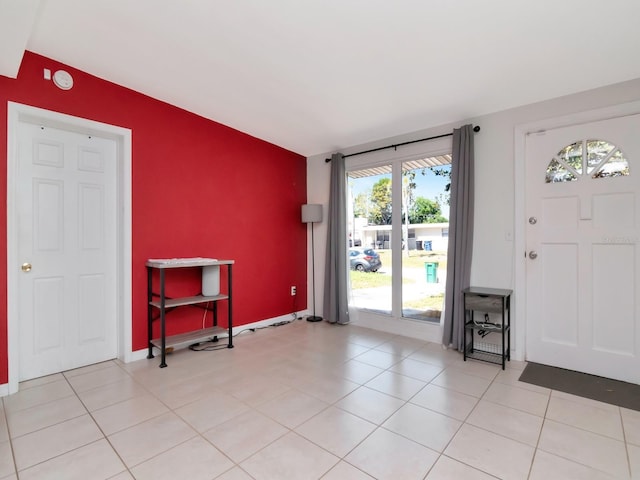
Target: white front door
{"type": "Point", "coordinates": [582, 235]}
{"type": "Point", "coordinates": [67, 240]}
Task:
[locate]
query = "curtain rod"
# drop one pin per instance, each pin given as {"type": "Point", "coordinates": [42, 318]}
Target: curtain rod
{"type": "Point", "coordinates": [475, 129]}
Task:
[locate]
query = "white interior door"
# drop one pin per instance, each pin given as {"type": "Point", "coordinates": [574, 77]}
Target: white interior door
{"type": "Point", "coordinates": [583, 266]}
{"type": "Point", "coordinates": [66, 209]}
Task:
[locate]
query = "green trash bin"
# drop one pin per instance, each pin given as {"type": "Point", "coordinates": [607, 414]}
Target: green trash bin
{"type": "Point", "coordinates": [432, 271]}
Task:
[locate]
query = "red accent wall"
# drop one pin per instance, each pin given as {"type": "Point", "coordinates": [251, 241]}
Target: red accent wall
{"type": "Point", "coordinates": [199, 189]}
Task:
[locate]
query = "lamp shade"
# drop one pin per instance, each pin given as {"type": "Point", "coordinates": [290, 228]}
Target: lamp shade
{"type": "Point", "coordinates": [311, 213]}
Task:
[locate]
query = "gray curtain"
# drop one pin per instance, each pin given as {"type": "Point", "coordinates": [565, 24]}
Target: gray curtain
{"type": "Point", "coordinates": [335, 307]}
{"type": "Point", "coordinates": [460, 236]}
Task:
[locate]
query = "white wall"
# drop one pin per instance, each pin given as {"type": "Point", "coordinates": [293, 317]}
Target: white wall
{"type": "Point", "coordinates": [494, 257]}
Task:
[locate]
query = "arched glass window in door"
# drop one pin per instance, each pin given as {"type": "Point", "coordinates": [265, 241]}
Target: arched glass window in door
{"type": "Point", "coordinates": [587, 159]}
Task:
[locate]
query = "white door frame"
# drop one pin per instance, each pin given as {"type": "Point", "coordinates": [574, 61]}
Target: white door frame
{"type": "Point", "coordinates": [520, 238]}
{"type": "Point", "coordinates": [23, 113]}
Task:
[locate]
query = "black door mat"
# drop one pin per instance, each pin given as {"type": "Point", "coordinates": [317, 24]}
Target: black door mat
{"type": "Point", "coordinates": [606, 390]}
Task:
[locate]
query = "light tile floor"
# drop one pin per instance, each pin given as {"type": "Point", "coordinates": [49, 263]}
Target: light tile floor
{"type": "Point", "coordinates": [311, 401]}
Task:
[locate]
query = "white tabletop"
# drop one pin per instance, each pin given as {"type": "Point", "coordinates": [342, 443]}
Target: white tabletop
{"type": "Point", "coordinates": [185, 262]}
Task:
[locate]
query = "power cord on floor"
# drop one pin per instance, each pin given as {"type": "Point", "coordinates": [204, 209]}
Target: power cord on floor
{"type": "Point", "coordinates": [204, 347]}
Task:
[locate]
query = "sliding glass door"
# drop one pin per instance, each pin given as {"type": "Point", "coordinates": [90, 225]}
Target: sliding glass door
{"type": "Point", "coordinates": [370, 223]}
{"type": "Point", "coordinates": [425, 231]}
{"type": "Point", "coordinates": [398, 256]}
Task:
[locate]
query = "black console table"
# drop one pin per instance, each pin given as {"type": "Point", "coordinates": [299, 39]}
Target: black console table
{"type": "Point", "coordinates": [487, 300]}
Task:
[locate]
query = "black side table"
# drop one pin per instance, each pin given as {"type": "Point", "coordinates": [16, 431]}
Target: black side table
{"type": "Point", "coordinates": [487, 300]}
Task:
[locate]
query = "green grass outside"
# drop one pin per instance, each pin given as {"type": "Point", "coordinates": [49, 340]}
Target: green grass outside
{"type": "Point", "coordinates": [373, 279]}
{"type": "Point", "coordinates": [416, 259]}
{"type": "Point", "coordinates": [433, 302]}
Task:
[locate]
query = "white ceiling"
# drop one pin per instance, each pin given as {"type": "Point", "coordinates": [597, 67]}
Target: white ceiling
{"type": "Point", "coordinates": [315, 76]}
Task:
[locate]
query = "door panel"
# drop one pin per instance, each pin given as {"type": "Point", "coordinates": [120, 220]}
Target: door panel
{"type": "Point", "coordinates": [66, 204]}
{"type": "Point", "coordinates": [50, 311]}
{"type": "Point", "coordinates": [582, 190]}
{"type": "Point", "coordinates": [91, 204]}
{"type": "Point", "coordinates": [613, 301]}
{"type": "Point", "coordinates": [92, 308]}
{"type": "Point", "coordinates": [48, 226]}
{"type": "Point", "coordinates": [560, 310]}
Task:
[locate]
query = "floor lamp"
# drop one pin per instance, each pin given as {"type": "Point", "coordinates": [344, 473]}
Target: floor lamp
{"type": "Point", "coordinates": [312, 213]}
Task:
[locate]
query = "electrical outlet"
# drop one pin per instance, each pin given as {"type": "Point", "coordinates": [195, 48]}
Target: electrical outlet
{"type": "Point", "coordinates": [293, 291]}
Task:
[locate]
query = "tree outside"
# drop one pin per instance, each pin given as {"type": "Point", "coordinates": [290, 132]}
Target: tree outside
{"type": "Point", "coordinates": [377, 207]}
{"type": "Point", "coordinates": [424, 210]}
{"type": "Point", "coordinates": [380, 203]}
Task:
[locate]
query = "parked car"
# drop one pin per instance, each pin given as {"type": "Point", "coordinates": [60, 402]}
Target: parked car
{"type": "Point", "coordinates": [355, 243]}
{"type": "Point", "coordinates": [364, 259]}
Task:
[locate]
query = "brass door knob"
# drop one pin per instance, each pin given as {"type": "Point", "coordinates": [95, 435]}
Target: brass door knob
{"type": "Point", "coordinates": [26, 267]}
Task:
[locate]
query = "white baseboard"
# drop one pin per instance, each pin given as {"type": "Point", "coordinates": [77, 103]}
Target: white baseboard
{"type": "Point", "coordinates": [4, 390]}
{"type": "Point", "coordinates": [137, 355]}
{"type": "Point", "coordinates": [142, 354]}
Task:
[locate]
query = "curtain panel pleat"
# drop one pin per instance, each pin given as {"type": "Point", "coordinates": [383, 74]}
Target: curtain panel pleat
{"type": "Point", "coordinates": [460, 236]}
{"type": "Point", "coordinates": [335, 305]}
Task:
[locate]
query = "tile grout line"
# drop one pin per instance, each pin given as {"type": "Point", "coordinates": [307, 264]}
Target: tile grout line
{"type": "Point", "coordinates": [10, 440]}
{"type": "Point", "coordinates": [106, 438]}
{"type": "Point", "coordinates": [377, 426]}
{"type": "Point", "coordinates": [544, 420]}
{"type": "Point", "coordinates": [17, 472]}
{"type": "Point", "coordinates": [626, 445]}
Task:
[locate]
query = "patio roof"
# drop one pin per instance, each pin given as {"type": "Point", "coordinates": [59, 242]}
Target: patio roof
{"type": "Point", "coordinates": [412, 226]}
{"type": "Point", "coordinates": [438, 161]}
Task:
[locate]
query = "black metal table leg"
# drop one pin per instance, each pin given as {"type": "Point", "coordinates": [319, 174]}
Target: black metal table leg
{"type": "Point", "coordinates": [149, 311]}
{"type": "Point", "coordinates": [230, 317]}
{"type": "Point", "coordinates": [163, 332]}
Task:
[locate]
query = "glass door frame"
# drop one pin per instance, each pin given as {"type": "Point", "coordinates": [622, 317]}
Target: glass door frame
{"type": "Point", "coordinates": [396, 323]}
